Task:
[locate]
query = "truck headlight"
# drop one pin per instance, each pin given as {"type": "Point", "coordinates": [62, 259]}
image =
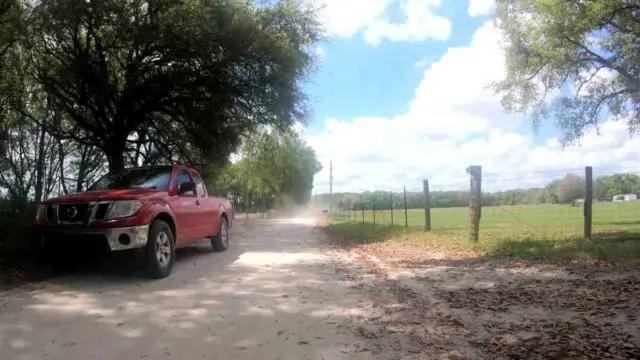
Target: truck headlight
{"type": "Point", "coordinates": [41, 215]}
{"type": "Point", "coordinates": [123, 208]}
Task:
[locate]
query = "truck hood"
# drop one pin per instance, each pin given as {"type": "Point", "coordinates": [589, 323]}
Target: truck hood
{"type": "Point", "coordinates": [102, 195]}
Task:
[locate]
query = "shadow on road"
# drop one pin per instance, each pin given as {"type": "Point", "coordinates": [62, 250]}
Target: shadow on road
{"type": "Point", "coordinates": [269, 295]}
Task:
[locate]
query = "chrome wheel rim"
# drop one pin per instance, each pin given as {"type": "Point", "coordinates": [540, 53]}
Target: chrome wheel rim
{"type": "Point", "coordinates": [163, 248]}
{"type": "Point", "coordinates": [224, 234]}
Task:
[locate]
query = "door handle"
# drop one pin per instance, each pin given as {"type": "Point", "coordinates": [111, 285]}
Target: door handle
{"type": "Point", "coordinates": [197, 202]}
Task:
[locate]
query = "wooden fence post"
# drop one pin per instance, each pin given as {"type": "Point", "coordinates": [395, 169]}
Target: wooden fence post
{"type": "Point", "coordinates": [374, 211]}
{"type": "Point", "coordinates": [588, 202]}
{"type": "Point", "coordinates": [391, 197]}
{"type": "Point", "coordinates": [406, 218]}
{"type": "Point", "coordinates": [427, 206]}
{"type": "Point", "coordinates": [363, 213]}
{"type": "Point", "coordinates": [475, 201]}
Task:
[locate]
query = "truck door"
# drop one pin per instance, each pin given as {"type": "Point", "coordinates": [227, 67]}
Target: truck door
{"type": "Point", "coordinates": [185, 209]}
{"type": "Point", "coordinates": [207, 209]}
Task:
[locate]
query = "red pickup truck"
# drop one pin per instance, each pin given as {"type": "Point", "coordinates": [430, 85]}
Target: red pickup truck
{"type": "Point", "coordinates": [154, 209]}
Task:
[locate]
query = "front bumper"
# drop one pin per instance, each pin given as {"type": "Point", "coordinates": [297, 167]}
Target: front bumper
{"type": "Point", "coordinates": [117, 239]}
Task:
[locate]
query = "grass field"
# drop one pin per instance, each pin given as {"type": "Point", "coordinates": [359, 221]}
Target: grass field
{"type": "Point", "coordinates": [528, 231]}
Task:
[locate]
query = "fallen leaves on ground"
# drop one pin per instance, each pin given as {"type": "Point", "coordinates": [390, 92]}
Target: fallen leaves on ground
{"type": "Point", "coordinates": [398, 317]}
{"type": "Point", "coordinates": [506, 310]}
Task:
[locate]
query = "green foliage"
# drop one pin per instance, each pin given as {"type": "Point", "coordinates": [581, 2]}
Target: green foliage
{"type": "Point", "coordinates": [606, 187]}
{"type": "Point", "coordinates": [276, 171]}
{"type": "Point", "coordinates": [571, 61]}
{"type": "Point", "coordinates": [11, 16]}
{"type": "Point", "coordinates": [187, 77]}
{"type": "Point", "coordinates": [570, 188]}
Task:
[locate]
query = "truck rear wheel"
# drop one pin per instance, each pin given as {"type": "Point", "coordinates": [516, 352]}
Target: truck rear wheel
{"type": "Point", "coordinates": [220, 242]}
{"type": "Point", "coordinates": [160, 250]}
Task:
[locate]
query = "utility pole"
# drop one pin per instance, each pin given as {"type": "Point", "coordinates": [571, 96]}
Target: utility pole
{"type": "Point", "coordinates": [330, 186]}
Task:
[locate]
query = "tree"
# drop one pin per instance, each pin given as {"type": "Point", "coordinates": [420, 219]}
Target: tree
{"type": "Point", "coordinates": [187, 78]}
{"type": "Point", "coordinates": [11, 24]}
{"type": "Point", "coordinates": [608, 186]}
{"type": "Point", "coordinates": [570, 188]}
{"type": "Point", "coordinates": [572, 61]}
{"type": "Point", "coordinates": [276, 171]}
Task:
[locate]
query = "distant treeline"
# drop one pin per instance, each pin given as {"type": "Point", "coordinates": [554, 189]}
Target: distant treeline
{"type": "Point", "coordinates": [561, 191]}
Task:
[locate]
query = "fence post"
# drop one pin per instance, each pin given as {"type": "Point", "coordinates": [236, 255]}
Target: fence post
{"type": "Point", "coordinates": [355, 219]}
{"type": "Point", "coordinates": [374, 211]}
{"type": "Point", "coordinates": [475, 173]}
{"type": "Point", "coordinates": [391, 197]}
{"type": "Point", "coordinates": [363, 213]}
{"type": "Point", "coordinates": [427, 206]}
{"type": "Point", "coordinates": [406, 218]}
{"type": "Point", "coordinates": [588, 202]}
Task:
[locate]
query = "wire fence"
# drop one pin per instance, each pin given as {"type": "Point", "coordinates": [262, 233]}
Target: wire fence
{"type": "Point", "coordinates": [577, 203]}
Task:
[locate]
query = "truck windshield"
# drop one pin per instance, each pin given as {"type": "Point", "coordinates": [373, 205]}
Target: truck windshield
{"type": "Point", "coordinates": [149, 178]}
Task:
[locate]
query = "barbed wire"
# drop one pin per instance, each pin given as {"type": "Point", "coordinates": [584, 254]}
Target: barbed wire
{"type": "Point", "coordinates": [533, 209]}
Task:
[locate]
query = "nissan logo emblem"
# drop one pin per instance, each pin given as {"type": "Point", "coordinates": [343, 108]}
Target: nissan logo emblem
{"type": "Point", "coordinates": [72, 212]}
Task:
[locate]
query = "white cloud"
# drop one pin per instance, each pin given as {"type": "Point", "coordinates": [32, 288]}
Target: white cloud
{"type": "Point", "coordinates": [453, 122]}
{"type": "Point", "coordinates": [345, 18]}
{"type": "Point", "coordinates": [462, 75]}
{"type": "Point", "coordinates": [420, 24]}
{"type": "Point", "coordinates": [481, 7]}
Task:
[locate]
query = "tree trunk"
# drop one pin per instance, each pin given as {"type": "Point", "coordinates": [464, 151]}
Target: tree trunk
{"type": "Point", "coordinates": [116, 161]}
{"type": "Point", "coordinates": [115, 154]}
{"type": "Point", "coordinates": [82, 169]}
{"type": "Point", "coordinates": [138, 155]}
{"type": "Point", "coordinates": [40, 166]}
{"type": "Point", "coordinates": [61, 156]}
{"type": "Point", "coordinates": [4, 139]}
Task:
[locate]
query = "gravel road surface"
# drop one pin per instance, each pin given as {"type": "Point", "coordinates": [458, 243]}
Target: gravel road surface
{"type": "Point", "coordinates": [275, 294]}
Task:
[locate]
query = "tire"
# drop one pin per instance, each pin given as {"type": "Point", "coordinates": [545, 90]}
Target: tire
{"type": "Point", "coordinates": [220, 242]}
{"type": "Point", "coordinates": [160, 251]}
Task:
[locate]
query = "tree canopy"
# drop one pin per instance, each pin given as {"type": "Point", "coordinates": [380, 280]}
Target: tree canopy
{"type": "Point", "coordinates": [91, 85]}
{"type": "Point", "coordinates": [276, 171]}
{"type": "Point", "coordinates": [11, 25]}
{"type": "Point", "coordinates": [185, 78]}
{"type": "Point", "coordinates": [572, 61]}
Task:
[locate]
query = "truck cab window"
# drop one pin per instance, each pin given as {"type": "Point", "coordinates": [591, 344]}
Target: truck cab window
{"type": "Point", "coordinates": [182, 177]}
{"type": "Point", "coordinates": [199, 185]}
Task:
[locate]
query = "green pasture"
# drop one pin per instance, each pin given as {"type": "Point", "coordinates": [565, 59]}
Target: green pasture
{"type": "Point", "coordinates": [547, 218]}
{"type": "Point", "coordinates": [546, 231]}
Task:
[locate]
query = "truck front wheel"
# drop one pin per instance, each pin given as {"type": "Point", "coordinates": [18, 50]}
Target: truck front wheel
{"type": "Point", "coordinates": [220, 242]}
{"type": "Point", "coordinates": [160, 250]}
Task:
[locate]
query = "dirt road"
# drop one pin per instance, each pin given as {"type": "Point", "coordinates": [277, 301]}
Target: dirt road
{"type": "Point", "coordinates": [275, 294]}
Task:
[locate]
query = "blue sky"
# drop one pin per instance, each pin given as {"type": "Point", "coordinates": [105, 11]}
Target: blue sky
{"type": "Point", "coordinates": [356, 79]}
{"type": "Point", "coordinates": [400, 95]}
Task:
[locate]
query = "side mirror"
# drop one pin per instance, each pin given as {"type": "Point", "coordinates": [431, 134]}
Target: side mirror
{"type": "Point", "coordinates": [186, 187]}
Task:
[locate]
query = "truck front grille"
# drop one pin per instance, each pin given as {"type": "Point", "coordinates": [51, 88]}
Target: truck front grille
{"type": "Point", "coordinates": [77, 213]}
